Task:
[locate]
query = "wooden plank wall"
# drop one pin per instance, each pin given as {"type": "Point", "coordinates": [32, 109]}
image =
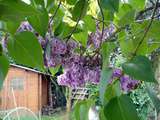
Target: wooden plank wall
{"type": "Point", "coordinates": [29, 97]}
{"type": "Point", "coordinates": [45, 96]}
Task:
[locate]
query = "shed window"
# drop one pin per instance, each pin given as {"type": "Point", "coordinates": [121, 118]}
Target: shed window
{"type": "Point", "coordinates": [17, 83]}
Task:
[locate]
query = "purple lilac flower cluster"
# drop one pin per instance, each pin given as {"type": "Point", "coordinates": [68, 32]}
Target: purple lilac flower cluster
{"type": "Point", "coordinates": [127, 83]}
{"type": "Point", "coordinates": [76, 73]}
{"type": "Point", "coordinates": [96, 38]}
{"type": "Point", "coordinates": [60, 53]}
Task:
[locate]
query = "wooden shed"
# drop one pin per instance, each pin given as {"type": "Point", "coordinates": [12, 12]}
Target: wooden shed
{"type": "Point", "coordinates": [24, 87]}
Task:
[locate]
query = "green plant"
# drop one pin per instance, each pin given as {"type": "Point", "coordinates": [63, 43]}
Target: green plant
{"type": "Point", "coordinates": [142, 102]}
{"type": "Point", "coordinates": [69, 34]}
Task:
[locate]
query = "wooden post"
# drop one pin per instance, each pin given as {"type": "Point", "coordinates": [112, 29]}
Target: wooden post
{"type": "Point", "coordinates": [40, 92]}
{"type": "Point", "coordinates": [15, 103]}
{"type": "Point", "coordinates": [50, 94]}
{"type": "Point", "coordinates": [69, 103]}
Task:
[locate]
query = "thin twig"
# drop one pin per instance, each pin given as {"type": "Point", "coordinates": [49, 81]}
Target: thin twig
{"type": "Point", "coordinates": [101, 10]}
{"type": "Point", "coordinates": [74, 29]}
{"type": "Point", "coordinates": [105, 22]}
{"type": "Point", "coordinates": [147, 30]}
{"type": "Point", "coordinates": [102, 14]}
{"type": "Point", "coordinates": [59, 4]}
{"type": "Point", "coordinates": [146, 10]}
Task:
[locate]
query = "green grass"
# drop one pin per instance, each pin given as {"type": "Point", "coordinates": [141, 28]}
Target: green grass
{"type": "Point", "coordinates": [58, 116]}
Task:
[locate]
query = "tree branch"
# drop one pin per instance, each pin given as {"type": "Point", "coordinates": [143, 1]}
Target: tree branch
{"type": "Point", "coordinates": [146, 10]}
{"type": "Point", "coordinates": [147, 29]}
{"type": "Point", "coordinates": [151, 2]}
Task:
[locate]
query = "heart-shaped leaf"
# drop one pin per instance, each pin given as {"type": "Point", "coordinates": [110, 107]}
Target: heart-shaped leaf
{"type": "Point", "coordinates": [120, 108]}
{"type": "Point", "coordinates": [15, 10]}
{"type": "Point", "coordinates": [40, 22]}
{"type": "Point", "coordinates": [4, 65]}
{"type": "Point", "coordinates": [80, 9]}
{"type": "Point", "coordinates": [139, 68]}
{"type": "Point", "coordinates": [90, 23]}
{"type": "Point", "coordinates": [112, 90]}
{"type": "Point", "coordinates": [25, 49]}
{"type": "Point", "coordinates": [82, 108]}
{"type": "Point", "coordinates": [111, 5]}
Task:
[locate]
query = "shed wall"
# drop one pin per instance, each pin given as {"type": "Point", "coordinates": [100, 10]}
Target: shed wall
{"type": "Point", "coordinates": [44, 92]}
{"type": "Point", "coordinates": [29, 96]}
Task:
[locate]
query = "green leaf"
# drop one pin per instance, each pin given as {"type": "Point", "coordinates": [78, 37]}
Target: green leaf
{"type": "Point", "coordinates": [63, 30]}
{"type": "Point", "coordinates": [126, 15]}
{"type": "Point", "coordinates": [58, 18]}
{"type": "Point", "coordinates": [9, 26]}
{"type": "Point", "coordinates": [49, 4]}
{"type": "Point", "coordinates": [111, 5]}
{"type": "Point", "coordinates": [15, 10]}
{"type": "Point", "coordinates": [106, 73]}
{"type": "Point", "coordinates": [152, 40]}
{"type": "Point", "coordinates": [137, 4]}
{"type": "Point", "coordinates": [107, 48]}
{"type": "Point", "coordinates": [153, 30]}
{"type": "Point", "coordinates": [108, 16]}
{"type": "Point", "coordinates": [139, 68]}
{"type": "Point", "coordinates": [126, 44]}
{"type": "Point", "coordinates": [71, 2]}
{"type": "Point", "coordinates": [37, 2]}
{"type": "Point", "coordinates": [101, 114]}
{"type": "Point", "coordinates": [3, 26]}
{"type": "Point", "coordinates": [130, 40]}
{"type": "Point", "coordinates": [25, 49]}
{"type": "Point", "coordinates": [79, 10]}
{"type": "Point", "coordinates": [112, 90]}
{"type": "Point", "coordinates": [12, 26]}
{"type": "Point", "coordinates": [54, 70]}
{"type": "Point", "coordinates": [104, 80]}
{"type": "Point", "coordinates": [82, 37]}
{"type": "Point", "coordinates": [40, 21]}
{"type": "Point", "coordinates": [1, 50]}
{"type": "Point", "coordinates": [4, 66]}
{"type": "Point", "coordinates": [120, 108]}
{"type": "Point", "coordinates": [81, 109]}
{"type": "Point", "coordinates": [89, 23]}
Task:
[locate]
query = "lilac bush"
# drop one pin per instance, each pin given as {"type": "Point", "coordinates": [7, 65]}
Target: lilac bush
{"type": "Point", "coordinates": [79, 70]}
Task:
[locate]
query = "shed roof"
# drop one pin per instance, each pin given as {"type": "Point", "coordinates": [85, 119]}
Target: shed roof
{"type": "Point", "coordinates": [29, 69]}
